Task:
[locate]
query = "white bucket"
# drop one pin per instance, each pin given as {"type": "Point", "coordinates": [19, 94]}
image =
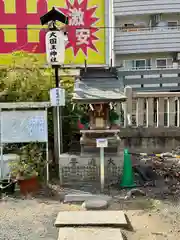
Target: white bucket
{"type": "Point", "coordinates": [7, 159]}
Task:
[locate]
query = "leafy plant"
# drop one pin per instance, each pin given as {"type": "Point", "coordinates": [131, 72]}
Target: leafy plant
{"type": "Point", "coordinates": [26, 80]}
{"type": "Point", "coordinates": [30, 163]}
{"type": "Point", "coordinates": [113, 116]}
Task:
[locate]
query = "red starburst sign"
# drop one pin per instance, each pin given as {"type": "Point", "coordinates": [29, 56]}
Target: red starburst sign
{"type": "Point", "coordinates": [81, 28]}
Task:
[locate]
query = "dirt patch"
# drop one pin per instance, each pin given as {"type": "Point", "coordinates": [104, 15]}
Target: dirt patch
{"type": "Point", "coordinates": [150, 226]}
{"type": "Point", "coordinates": [33, 218]}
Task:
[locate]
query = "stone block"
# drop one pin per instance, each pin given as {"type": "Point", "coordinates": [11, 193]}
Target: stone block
{"type": "Point", "coordinates": [91, 218]}
{"type": "Point", "coordinates": [96, 204]}
{"type": "Point", "coordinates": [78, 197]}
{"type": "Point", "coordinates": [90, 233]}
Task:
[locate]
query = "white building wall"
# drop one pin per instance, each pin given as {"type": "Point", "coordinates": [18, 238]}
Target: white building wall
{"type": "Point", "coordinates": [129, 7]}
{"type": "Point", "coordinates": [144, 21]}
{"type": "Point", "coordinates": [171, 17]}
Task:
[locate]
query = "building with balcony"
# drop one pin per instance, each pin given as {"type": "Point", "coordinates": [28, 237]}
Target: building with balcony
{"type": "Point", "coordinates": [147, 43]}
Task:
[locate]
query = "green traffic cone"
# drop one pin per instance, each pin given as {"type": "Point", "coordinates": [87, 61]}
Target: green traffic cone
{"type": "Point", "coordinates": [127, 180]}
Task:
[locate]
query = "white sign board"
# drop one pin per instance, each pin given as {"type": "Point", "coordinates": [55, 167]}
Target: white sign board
{"type": "Point", "coordinates": [24, 126]}
{"type": "Point", "coordinates": [101, 143]}
{"type": "Point", "coordinates": [55, 47]}
{"type": "Point", "coordinates": [57, 97]}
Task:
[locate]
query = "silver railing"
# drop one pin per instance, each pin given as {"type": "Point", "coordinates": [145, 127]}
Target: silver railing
{"type": "Point", "coordinates": [147, 29]}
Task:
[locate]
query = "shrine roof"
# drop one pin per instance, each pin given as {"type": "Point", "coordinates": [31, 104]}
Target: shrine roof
{"type": "Point", "coordinates": [99, 85]}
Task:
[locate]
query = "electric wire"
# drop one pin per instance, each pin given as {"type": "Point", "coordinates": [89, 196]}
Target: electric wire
{"type": "Point", "coordinates": [98, 27]}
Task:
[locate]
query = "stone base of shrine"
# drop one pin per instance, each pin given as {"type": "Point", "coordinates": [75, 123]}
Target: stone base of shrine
{"type": "Point", "coordinates": [84, 170]}
{"type": "Point", "coordinates": [91, 159]}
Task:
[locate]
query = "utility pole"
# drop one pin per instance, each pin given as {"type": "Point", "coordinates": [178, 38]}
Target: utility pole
{"type": "Point", "coordinates": [55, 52]}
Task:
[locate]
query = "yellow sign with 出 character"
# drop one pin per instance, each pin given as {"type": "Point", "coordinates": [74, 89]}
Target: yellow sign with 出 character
{"type": "Point", "coordinates": [20, 29]}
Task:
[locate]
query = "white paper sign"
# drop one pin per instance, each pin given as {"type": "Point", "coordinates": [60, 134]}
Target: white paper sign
{"type": "Point", "coordinates": [24, 126]}
{"type": "Point", "coordinates": [57, 97]}
{"type": "Point", "coordinates": [101, 143]}
{"type": "Point", "coordinates": [55, 47]}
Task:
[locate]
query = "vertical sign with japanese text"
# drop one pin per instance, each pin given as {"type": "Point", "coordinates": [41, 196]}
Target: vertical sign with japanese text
{"type": "Point", "coordinates": [86, 29]}
{"type": "Point", "coordinates": [57, 97]}
{"type": "Point", "coordinates": [55, 47]}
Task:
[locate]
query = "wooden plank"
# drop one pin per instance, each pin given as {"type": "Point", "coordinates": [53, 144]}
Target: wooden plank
{"type": "Point", "coordinates": [90, 234]}
{"type": "Point", "coordinates": [91, 218]}
{"type": "Point", "coordinates": [154, 94]}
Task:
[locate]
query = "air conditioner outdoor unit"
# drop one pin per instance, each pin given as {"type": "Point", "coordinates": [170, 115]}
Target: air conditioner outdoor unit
{"type": "Point", "coordinates": [178, 56]}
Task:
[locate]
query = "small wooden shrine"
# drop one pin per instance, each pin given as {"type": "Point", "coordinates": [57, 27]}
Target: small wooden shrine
{"type": "Point", "coordinates": [99, 92]}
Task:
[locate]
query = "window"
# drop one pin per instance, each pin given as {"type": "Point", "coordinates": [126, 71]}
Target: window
{"type": "Point", "coordinates": [161, 63]}
{"type": "Point", "coordinates": [172, 24]}
{"type": "Point", "coordinates": [141, 63]}
{"type": "Point", "coordinates": [164, 62]}
{"type": "Point", "coordinates": [138, 64]}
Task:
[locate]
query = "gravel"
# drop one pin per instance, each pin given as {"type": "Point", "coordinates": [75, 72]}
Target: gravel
{"type": "Point", "coordinates": [28, 219]}
{"type": "Point", "coordinates": [33, 218]}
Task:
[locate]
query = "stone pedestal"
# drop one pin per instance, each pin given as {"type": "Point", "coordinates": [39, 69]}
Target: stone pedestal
{"type": "Point", "coordinates": [88, 141]}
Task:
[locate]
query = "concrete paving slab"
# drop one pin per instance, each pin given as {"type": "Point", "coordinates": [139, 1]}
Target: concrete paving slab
{"type": "Point", "coordinates": [90, 234]}
{"type": "Point", "coordinates": [69, 191]}
{"type": "Point", "coordinates": [77, 197]}
{"type": "Point", "coordinates": [82, 197]}
{"type": "Point", "coordinates": [75, 191]}
{"type": "Point", "coordinates": [91, 218]}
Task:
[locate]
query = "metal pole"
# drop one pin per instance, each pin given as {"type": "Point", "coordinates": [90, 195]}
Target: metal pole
{"type": "Point", "coordinates": [59, 143]}
{"type": "Point", "coordinates": [59, 125]}
{"type": "Point", "coordinates": [47, 155]}
{"type": "Point", "coordinates": [47, 162]}
{"type": "Point", "coordinates": [1, 144]}
{"type": "Point", "coordinates": [102, 168]}
{"type": "Point", "coordinates": [57, 76]}
{"type": "Point", "coordinates": [2, 163]}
